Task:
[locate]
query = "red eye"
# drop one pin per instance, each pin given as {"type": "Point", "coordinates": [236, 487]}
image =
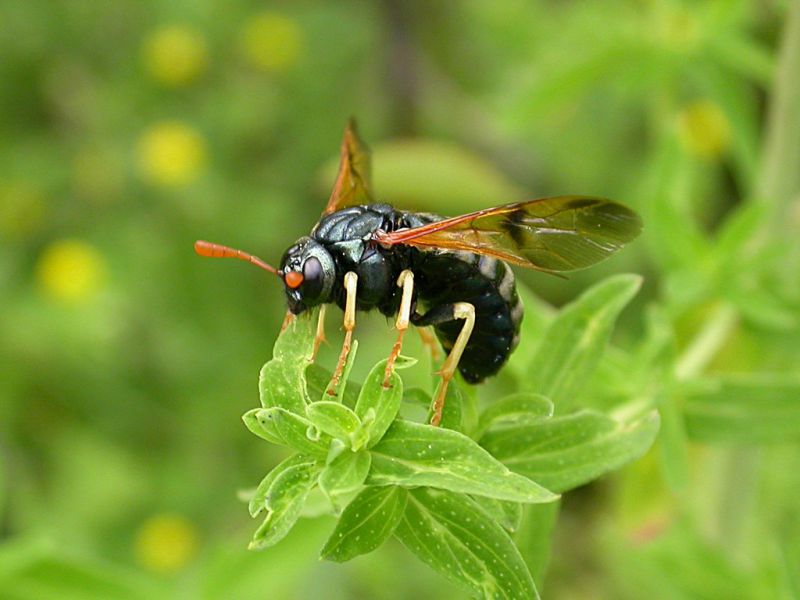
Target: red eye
{"type": "Point", "coordinates": [293, 279]}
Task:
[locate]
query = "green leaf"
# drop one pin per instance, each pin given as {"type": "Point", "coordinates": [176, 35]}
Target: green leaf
{"type": "Point", "coordinates": [739, 229]}
{"type": "Point", "coordinates": [318, 379]}
{"type": "Point", "coordinates": [284, 501]}
{"type": "Point", "coordinates": [417, 396]}
{"type": "Point", "coordinates": [565, 452]}
{"type": "Point", "coordinates": [673, 443]}
{"type": "Point", "coordinates": [366, 523]}
{"type": "Point", "coordinates": [377, 406]}
{"type": "Point", "coordinates": [265, 430]}
{"type": "Point", "coordinates": [674, 234]}
{"type": "Point", "coordinates": [538, 316]}
{"type": "Point", "coordinates": [457, 538]}
{"type": "Point", "coordinates": [452, 415]}
{"type": "Point", "coordinates": [576, 339]}
{"type": "Point", "coordinates": [344, 475]}
{"type": "Point", "coordinates": [534, 536]}
{"type": "Point", "coordinates": [295, 431]}
{"type": "Point", "coordinates": [508, 514]}
{"type": "Point", "coordinates": [750, 408]}
{"type": "Point", "coordinates": [335, 419]}
{"type": "Point", "coordinates": [518, 408]}
{"type": "Point", "coordinates": [411, 454]}
{"type": "Point", "coordinates": [341, 389]}
{"type": "Point", "coordinates": [259, 500]}
{"type": "Point", "coordinates": [282, 380]}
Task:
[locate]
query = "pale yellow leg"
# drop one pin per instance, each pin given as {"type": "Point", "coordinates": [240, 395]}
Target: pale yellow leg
{"type": "Point", "coordinates": [405, 281]}
{"type": "Point", "coordinates": [461, 310]}
{"type": "Point", "coordinates": [319, 337]}
{"type": "Point", "coordinates": [350, 286]}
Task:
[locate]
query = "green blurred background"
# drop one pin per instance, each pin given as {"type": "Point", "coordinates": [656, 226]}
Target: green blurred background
{"type": "Point", "coordinates": [130, 128]}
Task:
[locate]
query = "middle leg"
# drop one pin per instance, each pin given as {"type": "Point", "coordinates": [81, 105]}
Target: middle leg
{"type": "Point", "coordinates": [405, 281]}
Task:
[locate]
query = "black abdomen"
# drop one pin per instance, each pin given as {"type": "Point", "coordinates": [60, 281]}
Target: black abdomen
{"type": "Point", "coordinates": [444, 277]}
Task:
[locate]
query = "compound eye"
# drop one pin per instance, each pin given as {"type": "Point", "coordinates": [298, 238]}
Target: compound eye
{"type": "Point", "coordinates": [313, 277]}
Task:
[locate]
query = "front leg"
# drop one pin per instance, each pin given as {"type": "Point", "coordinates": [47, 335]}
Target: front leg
{"type": "Point", "coordinates": [319, 336]}
{"type": "Point", "coordinates": [351, 287]}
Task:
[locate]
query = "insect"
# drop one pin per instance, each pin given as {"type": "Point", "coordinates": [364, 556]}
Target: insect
{"type": "Point", "coordinates": [364, 255]}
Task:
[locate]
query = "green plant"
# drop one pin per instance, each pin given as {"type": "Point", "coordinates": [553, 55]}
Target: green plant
{"type": "Point", "coordinates": [454, 495]}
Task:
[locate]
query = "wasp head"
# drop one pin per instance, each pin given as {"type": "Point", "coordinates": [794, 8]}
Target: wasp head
{"type": "Point", "coordinates": [308, 273]}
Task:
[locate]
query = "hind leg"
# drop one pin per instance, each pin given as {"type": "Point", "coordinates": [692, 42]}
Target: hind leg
{"type": "Point", "coordinates": [443, 314]}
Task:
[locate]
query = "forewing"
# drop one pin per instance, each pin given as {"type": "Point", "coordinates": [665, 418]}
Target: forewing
{"type": "Point", "coordinates": [353, 182]}
{"type": "Point", "coordinates": [564, 233]}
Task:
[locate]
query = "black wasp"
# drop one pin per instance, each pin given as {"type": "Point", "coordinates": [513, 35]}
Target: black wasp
{"type": "Point", "coordinates": [364, 255]}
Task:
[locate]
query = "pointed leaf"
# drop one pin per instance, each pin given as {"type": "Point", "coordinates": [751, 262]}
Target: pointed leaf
{"type": "Point", "coordinates": [284, 501]}
{"type": "Point", "coordinates": [518, 408]}
{"type": "Point", "coordinates": [747, 408]}
{"type": "Point", "coordinates": [575, 340]}
{"type": "Point", "coordinates": [344, 475]}
{"type": "Point", "coordinates": [266, 431]}
{"type": "Point", "coordinates": [452, 417]}
{"type": "Point", "coordinates": [318, 379]}
{"type": "Point", "coordinates": [458, 539]}
{"type": "Point", "coordinates": [282, 380]}
{"type": "Point", "coordinates": [508, 514]}
{"type": "Point", "coordinates": [295, 431]}
{"type": "Point", "coordinates": [341, 389]}
{"type": "Point", "coordinates": [377, 406]}
{"type": "Point", "coordinates": [259, 500]}
{"type": "Point", "coordinates": [565, 452]}
{"type": "Point", "coordinates": [534, 537]}
{"type": "Point", "coordinates": [334, 419]}
{"type": "Point", "coordinates": [411, 454]}
{"type": "Point", "coordinates": [366, 523]}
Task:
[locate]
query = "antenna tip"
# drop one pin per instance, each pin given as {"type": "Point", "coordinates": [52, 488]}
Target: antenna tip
{"type": "Point", "coordinates": [201, 247]}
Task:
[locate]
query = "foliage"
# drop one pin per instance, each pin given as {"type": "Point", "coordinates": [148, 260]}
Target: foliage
{"type": "Point", "coordinates": [452, 499]}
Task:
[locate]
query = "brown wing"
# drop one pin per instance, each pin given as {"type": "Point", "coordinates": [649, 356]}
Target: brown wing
{"type": "Point", "coordinates": [353, 181]}
{"type": "Point", "coordinates": [564, 233]}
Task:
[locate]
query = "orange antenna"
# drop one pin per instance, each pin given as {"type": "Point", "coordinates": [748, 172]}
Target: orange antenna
{"type": "Point", "coordinates": [211, 250]}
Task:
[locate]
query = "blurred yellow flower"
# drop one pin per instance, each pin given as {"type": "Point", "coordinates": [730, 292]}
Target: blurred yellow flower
{"type": "Point", "coordinates": [175, 55]}
{"type": "Point", "coordinates": [166, 543]}
{"type": "Point", "coordinates": [271, 41]}
{"type": "Point", "coordinates": [704, 130]}
{"type": "Point", "coordinates": [22, 208]}
{"type": "Point", "coordinates": [171, 154]}
{"type": "Point", "coordinates": [71, 271]}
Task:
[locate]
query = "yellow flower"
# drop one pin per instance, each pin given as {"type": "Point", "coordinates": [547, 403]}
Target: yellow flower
{"type": "Point", "coordinates": [271, 41]}
{"type": "Point", "coordinates": [704, 130]}
{"type": "Point", "coordinates": [71, 271]}
{"type": "Point", "coordinates": [22, 208]}
{"type": "Point", "coordinates": [166, 543]}
{"type": "Point", "coordinates": [175, 56]}
{"type": "Point", "coordinates": [171, 154]}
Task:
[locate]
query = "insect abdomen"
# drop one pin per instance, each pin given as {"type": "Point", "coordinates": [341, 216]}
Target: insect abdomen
{"type": "Point", "coordinates": [444, 277]}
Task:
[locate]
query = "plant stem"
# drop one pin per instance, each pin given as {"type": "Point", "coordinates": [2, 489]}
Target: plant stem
{"type": "Point", "coordinates": [706, 343]}
{"type": "Point", "coordinates": [779, 180]}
